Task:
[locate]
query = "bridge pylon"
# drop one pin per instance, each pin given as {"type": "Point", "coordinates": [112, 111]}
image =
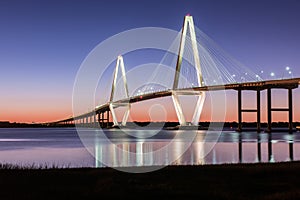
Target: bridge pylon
{"type": "Point", "coordinates": [176, 92]}
{"type": "Point", "coordinates": [112, 105]}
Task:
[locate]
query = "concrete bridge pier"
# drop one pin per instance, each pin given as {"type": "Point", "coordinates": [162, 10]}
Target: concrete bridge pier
{"type": "Point", "coordinates": [103, 119]}
{"type": "Point", "coordinates": [270, 109]}
{"type": "Point", "coordinates": [241, 110]}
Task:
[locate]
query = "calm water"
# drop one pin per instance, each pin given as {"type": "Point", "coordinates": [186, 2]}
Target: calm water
{"type": "Point", "coordinates": [63, 147]}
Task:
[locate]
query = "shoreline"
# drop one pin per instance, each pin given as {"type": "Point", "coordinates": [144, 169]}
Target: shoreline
{"type": "Point", "coordinates": [232, 124]}
{"type": "Point", "coordinates": [223, 181]}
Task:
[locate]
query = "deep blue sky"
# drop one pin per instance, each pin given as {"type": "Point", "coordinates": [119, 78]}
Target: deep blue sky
{"type": "Point", "coordinates": [42, 43]}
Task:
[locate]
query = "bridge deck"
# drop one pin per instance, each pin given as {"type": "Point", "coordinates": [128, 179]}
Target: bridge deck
{"type": "Point", "coordinates": [257, 86]}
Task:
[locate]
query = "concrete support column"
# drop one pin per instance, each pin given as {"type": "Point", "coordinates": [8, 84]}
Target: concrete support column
{"type": "Point", "coordinates": [102, 121]}
{"type": "Point", "coordinates": [107, 124]}
{"type": "Point", "coordinates": [239, 110]}
{"type": "Point", "coordinates": [258, 110]}
{"type": "Point", "coordinates": [98, 119]}
{"type": "Point", "coordinates": [269, 109]}
{"type": "Point", "coordinates": [290, 99]}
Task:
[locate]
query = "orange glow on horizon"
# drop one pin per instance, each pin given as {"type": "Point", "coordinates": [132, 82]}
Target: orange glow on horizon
{"type": "Point", "coordinates": [156, 110]}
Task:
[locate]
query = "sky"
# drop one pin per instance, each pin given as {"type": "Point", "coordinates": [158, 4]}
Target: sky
{"type": "Point", "coordinates": [43, 44]}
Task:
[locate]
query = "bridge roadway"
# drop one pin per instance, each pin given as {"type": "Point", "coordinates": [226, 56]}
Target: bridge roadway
{"type": "Point", "coordinates": [256, 86]}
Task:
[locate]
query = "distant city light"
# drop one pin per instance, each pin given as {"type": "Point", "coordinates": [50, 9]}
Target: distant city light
{"type": "Point", "coordinates": [287, 68]}
{"type": "Point", "coordinates": [290, 72]}
{"type": "Point", "coordinates": [272, 74]}
{"type": "Point", "coordinates": [261, 71]}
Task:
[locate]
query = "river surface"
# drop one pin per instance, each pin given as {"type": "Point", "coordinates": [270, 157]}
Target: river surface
{"type": "Point", "coordinates": [64, 147]}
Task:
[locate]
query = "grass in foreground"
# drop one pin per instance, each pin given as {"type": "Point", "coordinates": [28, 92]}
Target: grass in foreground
{"type": "Point", "coordinates": [228, 181]}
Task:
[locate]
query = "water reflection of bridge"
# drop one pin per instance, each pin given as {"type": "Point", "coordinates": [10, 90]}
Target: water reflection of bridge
{"type": "Point", "coordinates": [231, 148]}
{"type": "Point", "coordinates": [103, 115]}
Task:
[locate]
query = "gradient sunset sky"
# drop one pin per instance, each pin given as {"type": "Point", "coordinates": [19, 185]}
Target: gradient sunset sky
{"type": "Point", "coordinates": [43, 43]}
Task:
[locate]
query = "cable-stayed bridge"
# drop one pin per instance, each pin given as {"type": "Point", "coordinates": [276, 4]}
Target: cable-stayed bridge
{"type": "Point", "coordinates": [102, 115]}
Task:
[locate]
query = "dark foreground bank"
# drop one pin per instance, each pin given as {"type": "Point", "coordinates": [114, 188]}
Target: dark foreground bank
{"type": "Point", "coordinates": [242, 181]}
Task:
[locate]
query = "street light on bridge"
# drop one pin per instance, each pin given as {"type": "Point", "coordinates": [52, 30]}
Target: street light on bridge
{"type": "Point", "coordinates": [272, 74]}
